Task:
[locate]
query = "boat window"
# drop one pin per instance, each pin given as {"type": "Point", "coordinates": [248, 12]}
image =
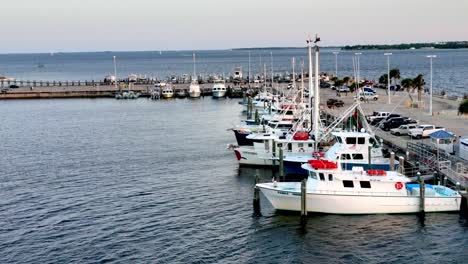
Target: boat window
{"type": "Point", "coordinates": [358, 156]}
{"type": "Point", "coordinates": [310, 145]}
{"type": "Point", "coordinates": [312, 174]}
{"type": "Point", "coordinates": [365, 184]}
{"type": "Point", "coordinates": [348, 184]}
{"type": "Point", "coordinates": [300, 145]}
{"type": "Point", "coordinates": [345, 156]}
{"type": "Point", "coordinates": [339, 140]}
{"type": "Point", "coordinates": [322, 177]}
{"type": "Point", "coordinates": [330, 177]}
{"type": "Point", "coordinates": [361, 140]}
{"type": "Point", "coordinates": [289, 146]}
{"type": "Point", "coordinates": [350, 140]}
{"type": "Point", "coordinates": [280, 145]}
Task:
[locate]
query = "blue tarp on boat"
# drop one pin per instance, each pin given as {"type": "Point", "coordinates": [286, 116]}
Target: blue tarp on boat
{"type": "Point", "coordinates": [411, 186]}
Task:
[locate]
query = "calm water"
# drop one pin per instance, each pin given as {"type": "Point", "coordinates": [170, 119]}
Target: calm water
{"type": "Point", "coordinates": [450, 67]}
{"type": "Point", "coordinates": [94, 181]}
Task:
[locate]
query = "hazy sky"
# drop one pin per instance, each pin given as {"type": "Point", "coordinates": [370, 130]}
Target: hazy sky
{"type": "Point", "coordinates": [102, 25]}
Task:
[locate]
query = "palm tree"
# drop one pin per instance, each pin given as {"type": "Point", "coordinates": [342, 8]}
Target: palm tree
{"type": "Point", "coordinates": [419, 83]}
{"type": "Point", "coordinates": [346, 79]}
{"type": "Point", "coordinates": [407, 84]}
{"type": "Point", "coordinates": [383, 79]}
{"type": "Point", "coordinates": [395, 75]}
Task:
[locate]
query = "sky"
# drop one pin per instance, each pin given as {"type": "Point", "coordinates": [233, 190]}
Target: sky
{"type": "Point", "coordinates": [29, 26]}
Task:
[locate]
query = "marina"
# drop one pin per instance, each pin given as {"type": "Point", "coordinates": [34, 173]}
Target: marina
{"type": "Point", "coordinates": [173, 144]}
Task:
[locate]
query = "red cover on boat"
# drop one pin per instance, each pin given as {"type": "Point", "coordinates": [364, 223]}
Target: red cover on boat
{"type": "Point", "coordinates": [376, 172]}
{"type": "Point", "coordinates": [322, 164]}
{"type": "Point", "coordinates": [287, 106]}
{"type": "Point", "coordinates": [301, 135]}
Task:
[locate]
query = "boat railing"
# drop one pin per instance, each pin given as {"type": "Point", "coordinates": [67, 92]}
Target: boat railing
{"type": "Point", "coordinates": [357, 193]}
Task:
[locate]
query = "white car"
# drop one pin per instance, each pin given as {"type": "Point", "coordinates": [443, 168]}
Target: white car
{"type": "Point", "coordinates": [402, 130]}
{"type": "Point", "coordinates": [367, 96]}
{"type": "Point", "coordinates": [423, 131]}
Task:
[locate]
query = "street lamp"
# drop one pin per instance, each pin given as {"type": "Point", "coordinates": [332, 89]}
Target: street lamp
{"type": "Point", "coordinates": [336, 62]}
{"type": "Point", "coordinates": [430, 91]}
{"type": "Point", "coordinates": [358, 69]}
{"type": "Point", "coordinates": [388, 54]}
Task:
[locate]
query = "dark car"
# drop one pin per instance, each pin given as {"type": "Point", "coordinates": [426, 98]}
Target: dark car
{"type": "Point", "coordinates": [334, 102]}
{"type": "Point", "coordinates": [14, 86]}
{"type": "Point", "coordinates": [376, 121]}
{"type": "Point", "coordinates": [393, 123]}
{"type": "Point", "coordinates": [390, 116]}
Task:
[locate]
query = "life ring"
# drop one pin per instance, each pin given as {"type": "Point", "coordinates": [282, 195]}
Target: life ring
{"type": "Point", "coordinates": [398, 185]}
{"type": "Point", "coordinates": [301, 150]}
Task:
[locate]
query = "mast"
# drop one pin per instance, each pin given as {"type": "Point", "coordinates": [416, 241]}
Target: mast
{"type": "Point", "coordinates": [271, 60]}
{"type": "Point", "coordinates": [115, 72]}
{"type": "Point", "coordinates": [194, 69]}
{"type": "Point", "coordinates": [302, 82]}
{"type": "Point", "coordinates": [316, 94]}
{"type": "Point", "coordinates": [249, 69]}
{"type": "Point", "coordinates": [311, 91]}
{"type": "Point", "coordinates": [294, 72]}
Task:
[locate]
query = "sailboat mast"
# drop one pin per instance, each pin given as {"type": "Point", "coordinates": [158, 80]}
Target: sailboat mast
{"type": "Point", "coordinates": [302, 82]}
{"type": "Point", "coordinates": [249, 69]}
{"type": "Point", "coordinates": [271, 60]}
{"type": "Point", "coordinates": [294, 72]}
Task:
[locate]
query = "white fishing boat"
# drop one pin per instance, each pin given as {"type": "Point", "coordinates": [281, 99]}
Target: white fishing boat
{"type": "Point", "coordinates": [194, 88]}
{"type": "Point", "coordinates": [329, 189]}
{"type": "Point", "coordinates": [167, 92]}
{"type": "Point", "coordinates": [181, 93]}
{"type": "Point", "coordinates": [219, 89]}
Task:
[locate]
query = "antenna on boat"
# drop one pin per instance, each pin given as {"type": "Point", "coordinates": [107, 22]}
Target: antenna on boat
{"type": "Point", "coordinates": [115, 71]}
{"type": "Point", "coordinates": [271, 58]}
{"type": "Point", "coordinates": [249, 69]}
{"type": "Point", "coordinates": [316, 94]}
{"type": "Point", "coordinates": [294, 72]}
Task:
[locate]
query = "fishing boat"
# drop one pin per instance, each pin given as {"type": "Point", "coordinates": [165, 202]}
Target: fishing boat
{"type": "Point", "coordinates": [330, 189]}
{"type": "Point", "coordinates": [181, 93]}
{"type": "Point", "coordinates": [167, 92]}
{"type": "Point", "coordinates": [219, 89]}
{"type": "Point", "coordinates": [194, 88]}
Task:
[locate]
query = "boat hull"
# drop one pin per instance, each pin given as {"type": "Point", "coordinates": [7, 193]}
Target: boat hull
{"type": "Point", "coordinates": [193, 94]}
{"type": "Point", "coordinates": [219, 94]}
{"type": "Point", "coordinates": [358, 204]}
{"type": "Point", "coordinates": [242, 139]}
{"type": "Point", "coordinates": [250, 157]}
{"type": "Point", "coordinates": [167, 96]}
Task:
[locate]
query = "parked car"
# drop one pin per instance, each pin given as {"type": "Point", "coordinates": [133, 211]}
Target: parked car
{"type": "Point", "coordinates": [369, 89]}
{"type": "Point", "coordinates": [376, 115]}
{"type": "Point", "coordinates": [402, 130]}
{"type": "Point", "coordinates": [367, 96]}
{"type": "Point", "coordinates": [334, 102]}
{"type": "Point", "coordinates": [423, 131]}
{"type": "Point", "coordinates": [390, 116]}
{"type": "Point", "coordinates": [344, 89]}
{"type": "Point", "coordinates": [14, 86]}
{"type": "Point", "coordinates": [325, 85]}
{"type": "Point", "coordinates": [392, 123]}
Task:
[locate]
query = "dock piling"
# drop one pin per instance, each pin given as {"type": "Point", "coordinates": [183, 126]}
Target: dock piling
{"type": "Point", "coordinates": [303, 201]}
{"type": "Point", "coordinates": [422, 193]}
{"type": "Point", "coordinates": [401, 165]}
{"type": "Point", "coordinates": [281, 164]}
{"type": "Point", "coordinates": [392, 161]}
{"type": "Point", "coordinates": [256, 197]}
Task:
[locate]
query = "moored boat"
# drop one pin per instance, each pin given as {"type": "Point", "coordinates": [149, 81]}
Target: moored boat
{"type": "Point", "coordinates": [329, 189]}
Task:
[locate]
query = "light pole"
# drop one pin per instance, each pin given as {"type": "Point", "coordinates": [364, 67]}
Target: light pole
{"type": "Point", "coordinates": [115, 73]}
{"type": "Point", "coordinates": [388, 54]}
{"type": "Point", "coordinates": [336, 63]}
{"type": "Point", "coordinates": [358, 68]}
{"type": "Point", "coordinates": [430, 91]}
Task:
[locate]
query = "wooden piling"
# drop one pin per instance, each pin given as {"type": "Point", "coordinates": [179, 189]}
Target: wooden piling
{"type": "Point", "coordinates": [257, 117]}
{"type": "Point", "coordinates": [401, 160]}
{"type": "Point", "coordinates": [464, 205]}
{"type": "Point", "coordinates": [392, 161]}
{"type": "Point", "coordinates": [303, 200]}
{"type": "Point", "coordinates": [256, 197]}
{"type": "Point", "coordinates": [281, 164]}
{"type": "Point", "coordinates": [422, 193]}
